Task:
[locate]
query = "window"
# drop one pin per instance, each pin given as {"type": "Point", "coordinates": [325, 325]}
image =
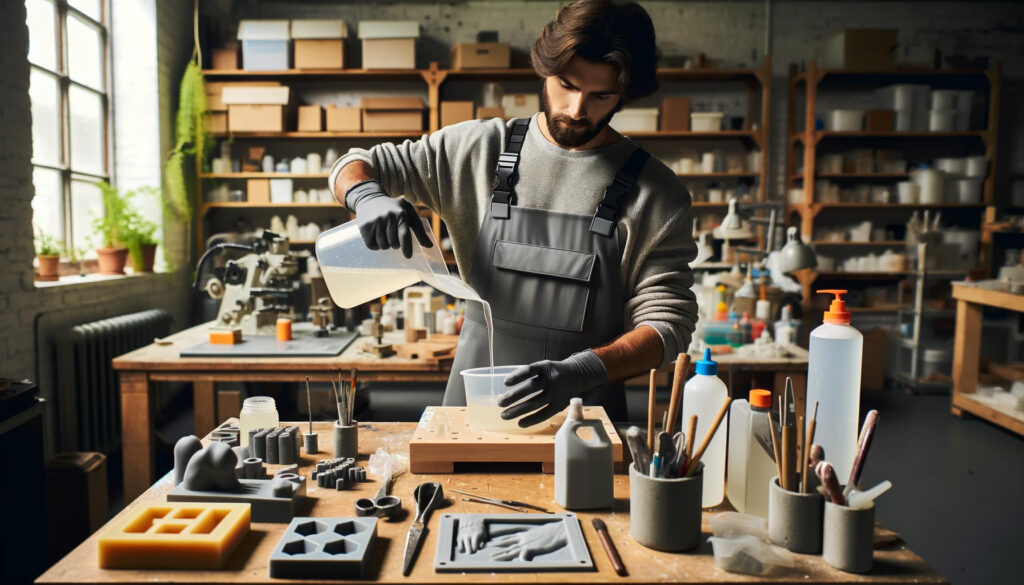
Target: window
{"type": "Point", "coordinates": [70, 116]}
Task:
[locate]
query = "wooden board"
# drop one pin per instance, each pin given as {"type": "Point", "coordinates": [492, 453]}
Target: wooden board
{"type": "Point", "coordinates": [429, 453]}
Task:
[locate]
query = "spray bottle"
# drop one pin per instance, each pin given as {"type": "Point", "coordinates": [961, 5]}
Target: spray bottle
{"type": "Point", "coordinates": [703, 395]}
{"type": "Point", "coordinates": [583, 466]}
{"type": "Point", "coordinates": [833, 381]}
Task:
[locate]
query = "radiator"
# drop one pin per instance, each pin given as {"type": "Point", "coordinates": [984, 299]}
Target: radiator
{"type": "Point", "coordinates": [87, 392]}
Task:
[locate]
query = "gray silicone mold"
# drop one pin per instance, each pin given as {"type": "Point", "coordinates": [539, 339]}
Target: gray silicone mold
{"type": "Point", "coordinates": [573, 556]}
{"type": "Point", "coordinates": [259, 493]}
{"type": "Point", "coordinates": [324, 548]}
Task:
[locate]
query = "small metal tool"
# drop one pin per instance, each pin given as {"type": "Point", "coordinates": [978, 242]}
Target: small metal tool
{"type": "Point", "coordinates": [428, 496]}
{"type": "Point", "coordinates": [495, 503]}
{"type": "Point", "coordinates": [382, 505]}
{"type": "Point", "coordinates": [505, 502]}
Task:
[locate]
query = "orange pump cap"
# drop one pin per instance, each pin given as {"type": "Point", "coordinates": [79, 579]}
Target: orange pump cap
{"type": "Point", "coordinates": [836, 313]}
{"type": "Point", "coordinates": [761, 398]}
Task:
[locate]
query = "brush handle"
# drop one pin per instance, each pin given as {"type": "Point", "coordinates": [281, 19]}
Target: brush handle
{"type": "Point", "coordinates": [650, 412]}
{"type": "Point", "coordinates": [867, 433]}
{"type": "Point", "coordinates": [827, 475]}
{"type": "Point", "coordinates": [691, 438]}
{"type": "Point", "coordinates": [682, 366]}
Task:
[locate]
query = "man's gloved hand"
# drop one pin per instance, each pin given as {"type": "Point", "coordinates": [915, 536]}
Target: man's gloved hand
{"type": "Point", "coordinates": [556, 382]}
{"type": "Point", "coordinates": [385, 222]}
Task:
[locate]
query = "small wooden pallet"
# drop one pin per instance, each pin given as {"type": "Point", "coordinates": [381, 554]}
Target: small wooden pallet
{"type": "Point", "coordinates": [429, 453]}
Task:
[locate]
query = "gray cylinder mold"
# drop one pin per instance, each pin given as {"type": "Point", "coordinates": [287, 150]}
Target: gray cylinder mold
{"type": "Point", "coordinates": [309, 443]}
{"type": "Point", "coordinates": [253, 468]}
{"type": "Point", "coordinates": [285, 447]}
{"type": "Point", "coordinates": [849, 538]}
{"type": "Point", "coordinates": [273, 447]}
{"type": "Point", "coordinates": [258, 444]}
{"type": "Point", "coordinates": [794, 518]}
{"type": "Point", "coordinates": [665, 514]}
{"type": "Point", "coordinates": [184, 449]}
{"type": "Point", "coordinates": [346, 440]}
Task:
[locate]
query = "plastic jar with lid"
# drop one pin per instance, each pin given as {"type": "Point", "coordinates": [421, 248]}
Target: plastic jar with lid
{"type": "Point", "coordinates": [258, 412]}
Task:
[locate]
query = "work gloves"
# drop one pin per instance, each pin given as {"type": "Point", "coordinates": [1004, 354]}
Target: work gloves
{"type": "Point", "coordinates": [554, 383]}
{"type": "Point", "coordinates": [385, 222]}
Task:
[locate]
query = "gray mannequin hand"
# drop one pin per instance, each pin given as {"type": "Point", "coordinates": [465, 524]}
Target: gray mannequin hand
{"type": "Point", "coordinates": [554, 384]}
{"type": "Point", "coordinates": [472, 535]}
{"type": "Point", "coordinates": [385, 222]}
{"type": "Point", "coordinates": [530, 543]}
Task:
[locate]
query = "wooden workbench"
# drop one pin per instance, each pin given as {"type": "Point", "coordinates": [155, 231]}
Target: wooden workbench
{"type": "Point", "coordinates": [893, 562]}
{"type": "Point", "coordinates": [970, 301]}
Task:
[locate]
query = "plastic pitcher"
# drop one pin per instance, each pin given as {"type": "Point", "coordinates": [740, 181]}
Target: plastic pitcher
{"type": "Point", "coordinates": [483, 389]}
{"type": "Point", "coordinates": [356, 274]}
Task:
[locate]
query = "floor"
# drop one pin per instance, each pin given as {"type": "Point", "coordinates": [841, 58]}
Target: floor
{"type": "Point", "coordinates": [958, 484]}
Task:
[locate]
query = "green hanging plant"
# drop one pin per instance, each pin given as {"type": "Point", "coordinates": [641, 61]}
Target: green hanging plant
{"type": "Point", "coordinates": [190, 141]}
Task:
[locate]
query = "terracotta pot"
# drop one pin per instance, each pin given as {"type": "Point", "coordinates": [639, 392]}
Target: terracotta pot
{"type": "Point", "coordinates": [112, 260]}
{"type": "Point", "coordinates": [148, 257]}
{"type": "Point", "coordinates": [48, 267]}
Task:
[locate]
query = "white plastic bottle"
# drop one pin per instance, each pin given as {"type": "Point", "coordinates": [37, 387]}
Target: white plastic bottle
{"type": "Point", "coordinates": [833, 381]}
{"type": "Point", "coordinates": [751, 464]}
{"type": "Point", "coordinates": [258, 412]}
{"type": "Point", "coordinates": [584, 467]}
{"type": "Point", "coordinates": [703, 395]}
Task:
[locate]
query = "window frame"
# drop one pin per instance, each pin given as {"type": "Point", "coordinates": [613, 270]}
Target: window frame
{"type": "Point", "coordinates": [67, 172]}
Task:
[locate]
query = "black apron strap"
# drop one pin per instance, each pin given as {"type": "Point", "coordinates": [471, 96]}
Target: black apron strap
{"type": "Point", "coordinates": [614, 196]}
{"type": "Point", "coordinates": [503, 194]}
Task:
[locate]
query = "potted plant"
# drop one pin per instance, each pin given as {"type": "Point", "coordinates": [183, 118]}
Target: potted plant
{"type": "Point", "coordinates": [111, 228]}
{"type": "Point", "coordinates": [140, 236]}
{"type": "Point", "coordinates": [48, 250]}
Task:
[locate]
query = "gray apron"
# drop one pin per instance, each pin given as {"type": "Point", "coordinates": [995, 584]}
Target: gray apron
{"type": "Point", "coordinates": [552, 279]}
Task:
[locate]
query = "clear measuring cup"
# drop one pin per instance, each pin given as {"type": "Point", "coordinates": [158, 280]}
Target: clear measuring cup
{"type": "Point", "coordinates": [356, 274]}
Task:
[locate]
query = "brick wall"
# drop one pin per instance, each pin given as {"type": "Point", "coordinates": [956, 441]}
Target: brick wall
{"type": "Point", "coordinates": [136, 159]}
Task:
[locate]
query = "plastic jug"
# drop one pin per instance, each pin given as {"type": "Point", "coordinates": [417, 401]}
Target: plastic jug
{"type": "Point", "coordinates": [583, 467]}
{"type": "Point", "coordinates": [833, 381]}
{"type": "Point", "coordinates": [751, 465]}
{"type": "Point", "coordinates": [356, 274]}
{"type": "Point", "coordinates": [703, 395]}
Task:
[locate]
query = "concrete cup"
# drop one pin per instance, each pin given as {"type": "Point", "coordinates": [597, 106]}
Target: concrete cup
{"type": "Point", "coordinates": [665, 514]}
{"type": "Point", "coordinates": [848, 542]}
{"type": "Point", "coordinates": [346, 440]}
{"type": "Point", "coordinates": [794, 518]}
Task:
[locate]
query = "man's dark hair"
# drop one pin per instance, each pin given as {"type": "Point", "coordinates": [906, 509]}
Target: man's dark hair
{"type": "Point", "coordinates": [620, 34]}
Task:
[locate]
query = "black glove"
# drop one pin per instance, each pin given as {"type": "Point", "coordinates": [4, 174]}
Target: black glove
{"type": "Point", "coordinates": [556, 382]}
{"type": "Point", "coordinates": [385, 222]}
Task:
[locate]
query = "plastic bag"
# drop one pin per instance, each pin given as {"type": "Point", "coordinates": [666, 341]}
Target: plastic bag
{"type": "Point", "coordinates": [749, 555]}
{"type": "Point", "coordinates": [734, 524]}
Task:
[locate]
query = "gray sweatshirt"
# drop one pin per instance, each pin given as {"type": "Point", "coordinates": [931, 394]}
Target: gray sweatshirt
{"type": "Point", "coordinates": [451, 172]}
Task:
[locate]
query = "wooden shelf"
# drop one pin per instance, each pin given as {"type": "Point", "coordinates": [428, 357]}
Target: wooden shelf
{"type": "Point", "coordinates": [260, 175]}
{"type": "Point", "coordinates": [854, 176]}
{"type": "Point", "coordinates": [228, 74]}
{"type": "Point", "coordinates": [893, 206]}
{"type": "Point", "coordinates": [709, 204]}
{"type": "Point", "coordinates": [819, 135]}
{"type": "Point", "coordinates": [666, 74]}
{"type": "Point", "coordinates": [319, 135]}
{"type": "Point", "coordinates": [824, 243]}
{"type": "Point", "coordinates": [888, 76]}
{"type": "Point", "coordinates": [889, 275]}
{"type": "Point", "coordinates": [748, 134]}
{"type": "Point", "coordinates": [743, 175]}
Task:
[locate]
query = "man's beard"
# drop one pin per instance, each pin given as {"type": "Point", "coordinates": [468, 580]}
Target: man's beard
{"type": "Point", "coordinates": [575, 132]}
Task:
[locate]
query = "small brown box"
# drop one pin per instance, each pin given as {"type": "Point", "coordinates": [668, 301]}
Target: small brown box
{"type": "Point", "coordinates": [311, 118]}
{"type": "Point", "coordinates": [257, 190]}
{"type": "Point", "coordinates": [487, 113]}
{"type": "Point", "coordinates": [225, 59]}
{"type": "Point", "coordinates": [481, 56]}
{"type": "Point", "coordinates": [400, 114]}
{"type": "Point", "coordinates": [215, 91]}
{"type": "Point", "coordinates": [861, 50]}
{"type": "Point", "coordinates": [389, 53]}
{"type": "Point", "coordinates": [879, 120]}
{"type": "Point", "coordinates": [675, 114]}
{"type": "Point", "coordinates": [217, 122]}
{"type": "Point", "coordinates": [343, 119]}
{"type": "Point", "coordinates": [256, 118]}
{"type": "Point", "coordinates": [319, 53]}
{"type": "Point", "coordinates": [455, 112]}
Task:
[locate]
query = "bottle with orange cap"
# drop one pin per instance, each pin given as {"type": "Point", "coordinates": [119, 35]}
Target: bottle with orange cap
{"type": "Point", "coordinates": [751, 462]}
{"type": "Point", "coordinates": [833, 381]}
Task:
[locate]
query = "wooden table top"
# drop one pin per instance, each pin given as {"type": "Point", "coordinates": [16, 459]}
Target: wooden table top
{"type": "Point", "coordinates": [893, 562]}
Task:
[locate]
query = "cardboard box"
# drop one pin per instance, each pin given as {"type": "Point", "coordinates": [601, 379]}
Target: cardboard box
{"type": "Point", "coordinates": [256, 118]}
{"type": "Point", "coordinates": [216, 122]}
{"type": "Point", "coordinates": [636, 120]}
{"type": "Point", "coordinates": [311, 119]}
{"type": "Point", "coordinates": [879, 120]}
{"type": "Point", "coordinates": [455, 112]}
{"type": "Point", "coordinates": [265, 44]}
{"type": "Point", "coordinates": [520, 105]}
{"type": "Point", "coordinates": [257, 190]}
{"type": "Point", "coordinates": [256, 95]}
{"type": "Point", "coordinates": [392, 114]}
{"type": "Point", "coordinates": [215, 89]}
{"type": "Point", "coordinates": [675, 114]}
{"type": "Point", "coordinates": [860, 49]}
{"type": "Point", "coordinates": [225, 59]}
{"type": "Point", "coordinates": [344, 119]}
{"type": "Point", "coordinates": [487, 113]}
{"type": "Point", "coordinates": [319, 28]}
{"type": "Point", "coordinates": [389, 44]}
{"type": "Point", "coordinates": [319, 54]}
{"type": "Point", "coordinates": [481, 56]}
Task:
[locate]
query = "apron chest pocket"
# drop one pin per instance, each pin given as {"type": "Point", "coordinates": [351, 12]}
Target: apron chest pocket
{"type": "Point", "coordinates": [541, 286]}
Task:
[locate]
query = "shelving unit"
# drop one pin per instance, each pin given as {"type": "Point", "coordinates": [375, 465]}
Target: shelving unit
{"type": "Point", "coordinates": [805, 140]}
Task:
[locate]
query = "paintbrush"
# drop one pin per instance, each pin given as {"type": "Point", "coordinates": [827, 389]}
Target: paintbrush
{"type": "Point", "coordinates": [867, 433]}
{"type": "Point", "coordinates": [650, 412]}
{"type": "Point", "coordinates": [805, 470]}
{"type": "Point", "coordinates": [353, 381]}
{"type": "Point", "coordinates": [817, 454]}
{"type": "Point", "coordinates": [789, 437]}
{"type": "Point", "coordinates": [676, 399]}
{"type": "Point", "coordinates": [638, 448]}
{"type": "Point", "coordinates": [666, 453]}
{"type": "Point", "coordinates": [827, 475]}
{"type": "Point", "coordinates": [337, 400]}
{"type": "Point", "coordinates": [707, 438]}
{"type": "Point", "coordinates": [775, 447]}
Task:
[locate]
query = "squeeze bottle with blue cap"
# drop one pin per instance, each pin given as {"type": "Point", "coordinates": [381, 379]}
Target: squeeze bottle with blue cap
{"type": "Point", "coordinates": [703, 395]}
{"type": "Point", "coordinates": [833, 381]}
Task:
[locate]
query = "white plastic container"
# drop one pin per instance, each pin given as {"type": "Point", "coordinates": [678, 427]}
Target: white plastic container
{"type": "Point", "coordinates": [940, 120]}
{"type": "Point", "coordinates": [703, 395]}
{"type": "Point", "coordinates": [258, 412]}
{"type": "Point", "coordinates": [482, 410]}
{"type": "Point", "coordinates": [976, 167]}
{"type": "Point", "coordinates": [956, 166]}
{"type": "Point", "coordinates": [936, 361]}
{"type": "Point", "coordinates": [636, 120]}
{"type": "Point", "coordinates": [969, 191]}
{"type": "Point", "coordinates": [833, 381]}
{"type": "Point", "coordinates": [750, 467]}
{"type": "Point", "coordinates": [846, 120]}
{"type": "Point", "coordinates": [931, 183]}
{"type": "Point", "coordinates": [584, 468]}
{"type": "Point", "coordinates": [706, 121]}
{"type": "Point", "coordinates": [944, 99]}
{"type": "Point", "coordinates": [264, 44]}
